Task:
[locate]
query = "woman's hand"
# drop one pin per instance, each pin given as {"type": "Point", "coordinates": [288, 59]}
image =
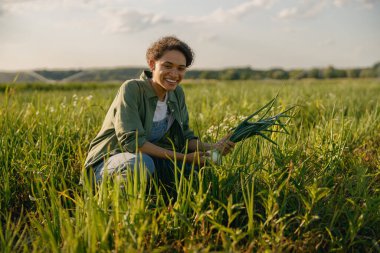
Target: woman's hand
{"type": "Point", "coordinates": [224, 145]}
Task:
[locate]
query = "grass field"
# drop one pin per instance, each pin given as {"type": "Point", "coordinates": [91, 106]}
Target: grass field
{"type": "Point", "coordinates": [317, 191]}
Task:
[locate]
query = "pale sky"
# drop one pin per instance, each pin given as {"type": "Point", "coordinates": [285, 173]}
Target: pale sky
{"type": "Point", "coordinates": [66, 34]}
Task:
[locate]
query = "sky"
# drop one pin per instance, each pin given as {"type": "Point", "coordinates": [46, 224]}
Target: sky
{"type": "Point", "coordinates": [261, 34]}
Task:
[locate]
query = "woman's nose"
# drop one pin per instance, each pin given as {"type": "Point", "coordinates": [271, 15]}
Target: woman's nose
{"type": "Point", "coordinates": [174, 72]}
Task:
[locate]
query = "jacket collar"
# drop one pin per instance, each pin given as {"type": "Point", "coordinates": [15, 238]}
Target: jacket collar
{"type": "Point", "coordinates": [145, 76]}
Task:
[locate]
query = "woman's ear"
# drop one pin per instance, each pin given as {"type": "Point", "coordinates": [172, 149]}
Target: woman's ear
{"type": "Point", "coordinates": [152, 64]}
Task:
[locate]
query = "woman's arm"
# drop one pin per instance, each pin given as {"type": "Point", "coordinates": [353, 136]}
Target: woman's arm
{"type": "Point", "coordinates": [196, 144]}
{"type": "Point", "coordinates": [159, 152]}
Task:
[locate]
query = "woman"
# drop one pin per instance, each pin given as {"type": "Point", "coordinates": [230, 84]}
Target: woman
{"type": "Point", "coordinates": [148, 120]}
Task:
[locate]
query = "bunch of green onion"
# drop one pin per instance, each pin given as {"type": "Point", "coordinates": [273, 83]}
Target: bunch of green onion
{"type": "Point", "coordinates": [262, 126]}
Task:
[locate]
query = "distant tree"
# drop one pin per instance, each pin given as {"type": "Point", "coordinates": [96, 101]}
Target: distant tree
{"type": "Point", "coordinates": [340, 73]}
{"type": "Point", "coordinates": [376, 69]}
{"type": "Point", "coordinates": [367, 73]}
{"type": "Point", "coordinates": [297, 74]}
{"type": "Point", "coordinates": [314, 73]}
{"type": "Point", "coordinates": [206, 74]}
{"type": "Point", "coordinates": [245, 73]}
{"type": "Point", "coordinates": [257, 74]}
{"type": "Point", "coordinates": [193, 74]}
{"type": "Point", "coordinates": [329, 72]}
{"type": "Point", "coordinates": [353, 73]}
{"type": "Point", "coordinates": [278, 74]}
{"type": "Point", "coordinates": [97, 77]}
{"type": "Point", "coordinates": [230, 74]}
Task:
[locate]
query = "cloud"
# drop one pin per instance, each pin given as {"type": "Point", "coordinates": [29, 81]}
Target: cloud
{"type": "Point", "coordinates": [123, 20]}
{"type": "Point", "coordinates": [222, 15]}
{"type": "Point", "coordinates": [368, 3]}
{"type": "Point", "coordinates": [312, 8]}
{"type": "Point", "coordinates": [235, 13]}
{"type": "Point", "coordinates": [340, 3]}
{"type": "Point", "coordinates": [132, 20]}
{"type": "Point", "coordinates": [364, 3]}
{"type": "Point", "coordinates": [308, 9]}
{"type": "Point", "coordinates": [22, 6]}
{"type": "Point", "coordinates": [9, 6]}
{"type": "Point", "coordinates": [288, 13]}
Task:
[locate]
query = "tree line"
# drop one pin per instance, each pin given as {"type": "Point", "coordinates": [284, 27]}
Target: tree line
{"type": "Point", "coordinates": [278, 73]}
{"type": "Point", "coordinates": [247, 73]}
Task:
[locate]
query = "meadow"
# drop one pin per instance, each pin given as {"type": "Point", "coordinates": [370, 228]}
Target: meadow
{"type": "Point", "coordinates": [318, 190]}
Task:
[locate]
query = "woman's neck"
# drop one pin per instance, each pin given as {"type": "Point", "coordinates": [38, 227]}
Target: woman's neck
{"type": "Point", "coordinates": [160, 92]}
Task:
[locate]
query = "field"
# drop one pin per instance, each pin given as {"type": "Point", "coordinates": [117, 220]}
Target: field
{"type": "Point", "coordinates": [318, 190]}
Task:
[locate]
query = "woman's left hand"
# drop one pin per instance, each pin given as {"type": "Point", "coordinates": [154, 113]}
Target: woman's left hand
{"type": "Point", "coordinates": [224, 146]}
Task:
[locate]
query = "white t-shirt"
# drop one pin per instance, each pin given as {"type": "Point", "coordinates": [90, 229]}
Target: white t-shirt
{"type": "Point", "coordinates": [162, 112]}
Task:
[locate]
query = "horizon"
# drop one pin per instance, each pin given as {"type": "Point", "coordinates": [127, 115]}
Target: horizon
{"type": "Point", "coordinates": [189, 69]}
{"type": "Point", "coordinates": [259, 34]}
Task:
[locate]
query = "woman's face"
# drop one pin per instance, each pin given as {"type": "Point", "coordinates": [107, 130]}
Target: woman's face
{"type": "Point", "coordinates": [168, 71]}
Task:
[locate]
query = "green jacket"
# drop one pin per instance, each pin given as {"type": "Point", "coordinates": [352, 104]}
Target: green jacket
{"type": "Point", "coordinates": [129, 120]}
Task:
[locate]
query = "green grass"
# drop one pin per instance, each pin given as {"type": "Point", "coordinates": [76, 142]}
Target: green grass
{"type": "Point", "coordinates": [317, 191]}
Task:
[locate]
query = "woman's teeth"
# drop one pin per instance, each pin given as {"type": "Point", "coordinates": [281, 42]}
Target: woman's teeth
{"type": "Point", "coordinates": [170, 81]}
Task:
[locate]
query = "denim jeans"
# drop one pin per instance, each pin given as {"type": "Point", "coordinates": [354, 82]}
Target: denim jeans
{"type": "Point", "coordinates": [121, 163]}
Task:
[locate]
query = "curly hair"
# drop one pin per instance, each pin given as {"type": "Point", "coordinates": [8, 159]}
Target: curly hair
{"type": "Point", "coordinates": [167, 43]}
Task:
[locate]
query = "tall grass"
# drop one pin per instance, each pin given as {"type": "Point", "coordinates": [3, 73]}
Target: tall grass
{"type": "Point", "coordinates": [317, 190]}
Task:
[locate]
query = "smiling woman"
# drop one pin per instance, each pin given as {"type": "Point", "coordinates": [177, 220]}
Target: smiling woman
{"type": "Point", "coordinates": [147, 125]}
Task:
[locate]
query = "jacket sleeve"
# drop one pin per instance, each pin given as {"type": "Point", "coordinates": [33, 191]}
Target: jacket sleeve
{"type": "Point", "coordinates": [127, 122]}
{"type": "Point", "coordinates": [188, 133]}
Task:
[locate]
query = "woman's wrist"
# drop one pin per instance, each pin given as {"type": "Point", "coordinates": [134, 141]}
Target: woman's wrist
{"type": "Point", "coordinates": [179, 156]}
{"type": "Point", "coordinates": [182, 157]}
